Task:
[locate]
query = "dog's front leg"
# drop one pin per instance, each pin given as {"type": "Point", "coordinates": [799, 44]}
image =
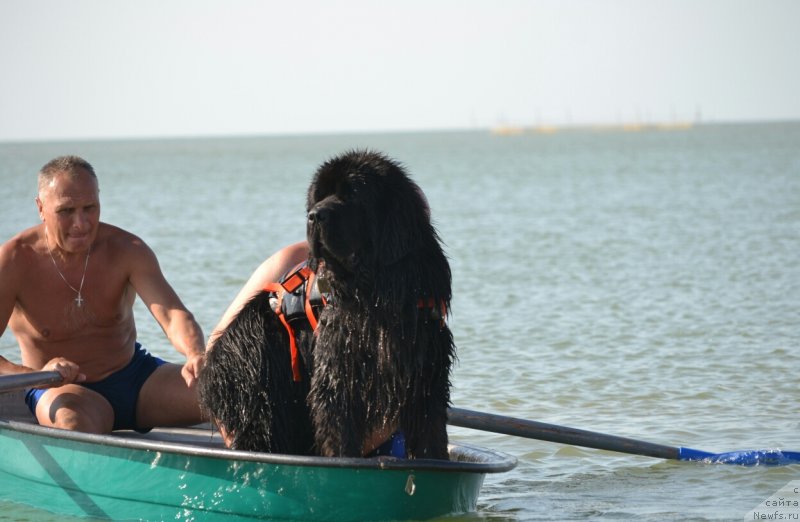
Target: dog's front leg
{"type": "Point", "coordinates": [337, 431]}
{"type": "Point", "coordinates": [334, 398]}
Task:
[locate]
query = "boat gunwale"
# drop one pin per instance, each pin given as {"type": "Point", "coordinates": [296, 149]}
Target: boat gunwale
{"type": "Point", "coordinates": [494, 461]}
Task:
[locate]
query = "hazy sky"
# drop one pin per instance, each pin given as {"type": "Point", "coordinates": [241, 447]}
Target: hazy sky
{"type": "Point", "coordinates": [110, 68]}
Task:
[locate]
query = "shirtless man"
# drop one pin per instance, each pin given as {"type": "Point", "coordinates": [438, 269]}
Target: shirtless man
{"type": "Point", "coordinates": [67, 288]}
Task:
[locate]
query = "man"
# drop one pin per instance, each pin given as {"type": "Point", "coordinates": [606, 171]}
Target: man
{"type": "Point", "coordinates": [67, 288]}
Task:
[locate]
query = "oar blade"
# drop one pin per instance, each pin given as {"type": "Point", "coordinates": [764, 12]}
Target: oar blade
{"type": "Point", "coordinates": [774, 457]}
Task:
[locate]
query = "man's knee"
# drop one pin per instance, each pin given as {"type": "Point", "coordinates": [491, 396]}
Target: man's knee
{"type": "Point", "coordinates": [83, 411]}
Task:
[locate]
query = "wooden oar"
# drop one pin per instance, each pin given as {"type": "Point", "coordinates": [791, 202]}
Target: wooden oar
{"type": "Point", "coordinates": [18, 381]}
{"type": "Point", "coordinates": [550, 432]}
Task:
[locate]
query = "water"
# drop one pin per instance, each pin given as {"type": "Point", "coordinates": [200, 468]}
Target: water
{"type": "Point", "coordinates": [642, 284]}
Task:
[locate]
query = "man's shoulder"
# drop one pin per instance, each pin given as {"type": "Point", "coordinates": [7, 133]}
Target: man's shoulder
{"type": "Point", "coordinates": [18, 246]}
{"type": "Point", "coordinates": [117, 237]}
{"type": "Point", "coordinates": [120, 241]}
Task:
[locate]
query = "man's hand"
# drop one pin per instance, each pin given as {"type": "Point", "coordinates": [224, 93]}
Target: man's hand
{"type": "Point", "coordinates": [70, 372]}
{"type": "Point", "coordinates": [191, 370]}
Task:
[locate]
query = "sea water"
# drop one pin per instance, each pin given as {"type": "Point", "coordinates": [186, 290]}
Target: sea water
{"type": "Point", "coordinates": [642, 284]}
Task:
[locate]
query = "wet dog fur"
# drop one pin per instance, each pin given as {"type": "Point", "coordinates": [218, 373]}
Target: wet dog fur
{"type": "Point", "coordinates": [246, 385]}
{"type": "Point", "coordinates": [381, 356]}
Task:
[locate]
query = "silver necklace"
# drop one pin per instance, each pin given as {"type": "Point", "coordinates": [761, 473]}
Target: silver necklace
{"type": "Point", "coordinates": [78, 300]}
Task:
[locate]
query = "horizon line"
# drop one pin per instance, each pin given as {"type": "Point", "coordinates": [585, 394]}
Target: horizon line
{"type": "Point", "coordinates": [498, 129]}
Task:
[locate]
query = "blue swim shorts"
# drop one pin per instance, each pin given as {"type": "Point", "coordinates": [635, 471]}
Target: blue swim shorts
{"type": "Point", "coordinates": [395, 446]}
{"type": "Point", "coordinates": [121, 389]}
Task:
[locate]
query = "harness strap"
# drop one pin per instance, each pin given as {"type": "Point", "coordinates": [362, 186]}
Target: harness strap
{"type": "Point", "coordinates": [312, 319]}
{"type": "Point", "coordinates": [279, 290]}
{"type": "Point", "coordinates": [296, 277]}
{"type": "Point", "coordinates": [302, 274]}
{"type": "Point", "coordinates": [431, 303]}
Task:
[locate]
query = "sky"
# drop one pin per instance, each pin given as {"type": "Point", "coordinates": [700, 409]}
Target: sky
{"type": "Point", "coordinates": [97, 69]}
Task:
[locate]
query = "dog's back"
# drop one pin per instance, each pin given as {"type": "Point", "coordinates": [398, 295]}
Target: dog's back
{"type": "Point", "coordinates": [247, 387]}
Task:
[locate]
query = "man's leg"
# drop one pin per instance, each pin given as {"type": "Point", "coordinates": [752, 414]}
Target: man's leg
{"type": "Point", "coordinates": [73, 407]}
{"type": "Point", "coordinates": [165, 400]}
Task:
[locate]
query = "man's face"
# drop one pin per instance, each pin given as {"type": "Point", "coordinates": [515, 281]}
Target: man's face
{"type": "Point", "coordinates": [69, 206]}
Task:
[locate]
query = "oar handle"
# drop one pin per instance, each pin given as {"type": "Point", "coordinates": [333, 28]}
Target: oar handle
{"type": "Point", "coordinates": [561, 434]}
{"type": "Point", "coordinates": [19, 381]}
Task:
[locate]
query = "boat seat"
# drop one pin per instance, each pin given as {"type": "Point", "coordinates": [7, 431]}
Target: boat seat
{"type": "Point", "coordinates": [12, 407]}
{"type": "Point", "coordinates": [199, 435]}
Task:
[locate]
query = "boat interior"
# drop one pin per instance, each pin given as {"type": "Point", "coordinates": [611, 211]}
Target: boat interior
{"type": "Point", "coordinates": [205, 439]}
{"type": "Point", "coordinates": [13, 408]}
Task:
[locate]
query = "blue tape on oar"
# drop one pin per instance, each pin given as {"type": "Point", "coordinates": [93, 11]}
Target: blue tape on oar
{"type": "Point", "coordinates": [743, 458]}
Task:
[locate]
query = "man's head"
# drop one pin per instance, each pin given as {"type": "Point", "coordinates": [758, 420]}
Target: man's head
{"type": "Point", "coordinates": [69, 203]}
{"type": "Point", "coordinates": [73, 166]}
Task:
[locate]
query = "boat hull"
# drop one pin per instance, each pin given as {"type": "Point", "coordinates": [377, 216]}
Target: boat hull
{"type": "Point", "coordinates": [186, 475]}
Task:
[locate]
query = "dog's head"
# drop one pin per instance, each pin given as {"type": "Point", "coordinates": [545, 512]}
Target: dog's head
{"type": "Point", "coordinates": [364, 213]}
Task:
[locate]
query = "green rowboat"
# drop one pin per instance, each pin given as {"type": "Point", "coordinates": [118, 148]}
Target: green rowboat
{"type": "Point", "coordinates": [187, 474]}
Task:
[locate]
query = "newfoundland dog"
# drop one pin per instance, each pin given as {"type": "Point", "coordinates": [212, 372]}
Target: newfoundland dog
{"type": "Point", "coordinates": [377, 364]}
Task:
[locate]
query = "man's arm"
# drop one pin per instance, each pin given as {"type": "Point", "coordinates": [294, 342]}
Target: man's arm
{"type": "Point", "coordinates": [177, 322]}
{"type": "Point", "coordinates": [8, 297]}
{"type": "Point", "coordinates": [270, 271]}
{"type": "Point", "coordinates": [10, 277]}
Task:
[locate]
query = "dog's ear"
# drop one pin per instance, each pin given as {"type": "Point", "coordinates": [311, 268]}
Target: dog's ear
{"type": "Point", "coordinates": [406, 213]}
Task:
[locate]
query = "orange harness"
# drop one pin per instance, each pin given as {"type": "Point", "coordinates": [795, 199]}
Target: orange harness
{"type": "Point", "coordinates": [300, 276]}
{"type": "Point", "coordinates": [312, 297]}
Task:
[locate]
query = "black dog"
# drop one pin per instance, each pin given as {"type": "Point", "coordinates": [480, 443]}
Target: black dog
{"type": "Point", "coordinates": [247, 387]}
{"type": "Point", "coordinates": [380, 358]}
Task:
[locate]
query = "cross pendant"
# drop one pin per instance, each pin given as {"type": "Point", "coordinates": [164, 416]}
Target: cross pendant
{"type": "Point", "coordinates": [79, 300]}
